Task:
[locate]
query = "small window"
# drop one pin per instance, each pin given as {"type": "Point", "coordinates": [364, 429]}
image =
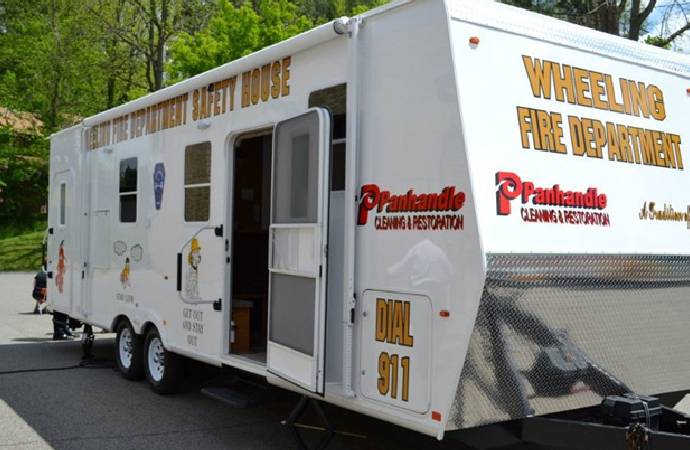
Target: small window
{"type": "Point", "coordinates": [300, 175]}
{"type": "Point", "coordinates": [335, 99]}
{"type": "Point", "coordinates": [128, 190]}
{"type": "Point", "coordinates": [197, 182]}
{"type": "Point", "coordinates": [295, 184]}
{"type": "Point", "coordinates": [63, 194]}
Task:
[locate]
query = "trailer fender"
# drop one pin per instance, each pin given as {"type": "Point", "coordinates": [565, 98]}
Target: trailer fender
{"type": "Point", "coordinates": [143, 319]}
{"type": "Point", "coordinates": [151, 320]}
{"type": "Point", "coordinates": [116, 322]}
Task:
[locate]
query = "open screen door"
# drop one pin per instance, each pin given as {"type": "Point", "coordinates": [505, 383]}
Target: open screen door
{"type": "Point", "coordinates": [297, 249]}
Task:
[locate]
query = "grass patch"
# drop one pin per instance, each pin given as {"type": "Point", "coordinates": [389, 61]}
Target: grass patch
{"type": "Point", "coordinates": [22, 252]}
{"type": "Point", "coordinates": [12, 227]}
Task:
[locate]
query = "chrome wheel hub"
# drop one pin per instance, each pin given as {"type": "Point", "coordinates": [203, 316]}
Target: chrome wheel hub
{"type": "Point", "coordinates": [125, 348]}
{"type": "Point", "coordinates": [156, 359]}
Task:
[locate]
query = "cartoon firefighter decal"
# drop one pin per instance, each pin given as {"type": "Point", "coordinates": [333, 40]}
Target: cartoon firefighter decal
{"type": "Point", "coordinates": [60, 275]}
{"type": "Point", "coordinates": [124, 275]}
{"type": "Point", "coordinates": [193, 261]}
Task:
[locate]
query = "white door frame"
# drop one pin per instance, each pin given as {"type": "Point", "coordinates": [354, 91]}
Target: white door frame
{"type": "Point", "coordinates": [290, 259]}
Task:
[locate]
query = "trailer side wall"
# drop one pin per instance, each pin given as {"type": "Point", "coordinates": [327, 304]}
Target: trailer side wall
{"type": "Point", "coordinates": [578, 147]}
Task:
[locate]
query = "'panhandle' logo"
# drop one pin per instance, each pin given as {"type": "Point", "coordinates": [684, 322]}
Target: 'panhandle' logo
{"type": "Point", "coordinates": [511, 187]}
{"type": "Point", "coordinates": [390, 209]}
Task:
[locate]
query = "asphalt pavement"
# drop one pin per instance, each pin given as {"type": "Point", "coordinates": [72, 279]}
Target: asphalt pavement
{"type": "Point", "coordinates": [95, 408]}
{"type": "Point", "coordinates": [47, 402]}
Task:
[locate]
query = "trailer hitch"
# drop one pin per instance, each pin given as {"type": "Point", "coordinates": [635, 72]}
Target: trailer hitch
{"type": "Point", "coordinates": [667, 430]}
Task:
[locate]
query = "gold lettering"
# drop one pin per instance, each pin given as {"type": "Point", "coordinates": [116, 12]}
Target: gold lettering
{"type": "Point", "coordinates": [246, 88]}
{"type": "Point", "coordinates": [265, 82]}
{"type": "Point", "coordinates": [582, 86]}
{"type": "Point", "coordinates": [275, 80]}
{"type": "Point", "coordinates": [381, 310]}
{"type": "Point", "coordinates": [285, 87]}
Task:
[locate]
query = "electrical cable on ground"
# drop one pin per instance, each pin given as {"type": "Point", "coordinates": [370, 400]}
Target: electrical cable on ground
{"type": "Point", "coordinates": [85, 364]}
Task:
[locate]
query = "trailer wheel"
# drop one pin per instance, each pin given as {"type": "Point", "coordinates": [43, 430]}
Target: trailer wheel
{"type": "Point", "coordinates": [163, 368]}
{"type": "Point", "coordinates": [128, 346]}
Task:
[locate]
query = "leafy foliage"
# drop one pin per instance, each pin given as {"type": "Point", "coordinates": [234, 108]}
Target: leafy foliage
{"type": "Point", "coordinates": [233, 32]}
{"type": "Point", "coordinates": [63, 60]}
{"type": "Point", "coordinates": [23, 175]}
{"type": "Point", "coordinates": [240, 28]}
{"type": "Point", "coordinates": [658, 41]}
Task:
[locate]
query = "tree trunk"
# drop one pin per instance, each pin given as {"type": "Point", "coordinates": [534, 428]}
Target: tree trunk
{"type": "Point", "coordinates": [151, 57]}
{"type": "Point", "coordinates": [160, 45]}
{"type": "Point", "coordinates": [110, 92]}
{"type": "Point", "coordinates": [112, 49]}
{"type": "Point", "coordinates": [637, 18]}
{"type": "Point", "coordinates": [608, 17]}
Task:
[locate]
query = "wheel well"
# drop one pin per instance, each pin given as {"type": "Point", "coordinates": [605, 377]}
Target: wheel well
{"type": "Point", "coordinates": [148, 326]}
{"type": "Point", "coordinates": [117, 321]}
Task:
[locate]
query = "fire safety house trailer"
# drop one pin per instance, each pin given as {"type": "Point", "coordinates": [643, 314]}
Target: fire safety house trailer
{"type": "Point", "coordinates": [440, 214]}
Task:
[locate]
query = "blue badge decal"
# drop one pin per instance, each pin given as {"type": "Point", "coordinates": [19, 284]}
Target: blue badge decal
{"type": "Point", "coordinates": [158, 183]}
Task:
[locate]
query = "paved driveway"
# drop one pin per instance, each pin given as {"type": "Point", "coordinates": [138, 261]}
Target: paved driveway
{"type": "Point", "coordinates": [97, 408]}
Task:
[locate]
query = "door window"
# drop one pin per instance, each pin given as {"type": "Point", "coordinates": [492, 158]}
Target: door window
{"type": "Point", "coordinates": [295, 182]}
{"type": "Point", "coordinates": [63, 199]}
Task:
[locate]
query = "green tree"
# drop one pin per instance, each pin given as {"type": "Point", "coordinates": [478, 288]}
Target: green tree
{"type": "Point", "coordinates": [23, 175]}
{"type": "Point", "coordinates": [235, 31]}
{"type": "Point", "coordinates": [324, 10]}
{"type": "Point", "coordinates": [241, 27]}
{"type": "Point", "coordinates": [47, 59]}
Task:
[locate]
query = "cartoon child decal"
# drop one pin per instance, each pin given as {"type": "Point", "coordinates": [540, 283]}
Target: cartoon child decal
{"type": "Point", "coordinates": [124, 275]}
{"type": "Point", "coordinates": [193, 261]}
{"type": "Point", "coordinates": [60, 275]}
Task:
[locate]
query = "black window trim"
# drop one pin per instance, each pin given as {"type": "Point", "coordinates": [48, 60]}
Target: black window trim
{"type": "Point", "coordinates": [135, 193]}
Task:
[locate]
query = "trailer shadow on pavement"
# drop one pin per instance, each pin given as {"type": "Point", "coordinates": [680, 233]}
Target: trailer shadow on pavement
{"type": "Point", "coordinates": [45, 402]}
{"type": "Point", "coordinates": [49, 404]}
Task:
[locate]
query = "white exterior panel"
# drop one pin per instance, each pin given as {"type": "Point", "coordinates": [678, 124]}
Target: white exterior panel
{"type": "Point", "coordinates": [493, 84]}
{"type": "Point", "coordinates": [440, 151]}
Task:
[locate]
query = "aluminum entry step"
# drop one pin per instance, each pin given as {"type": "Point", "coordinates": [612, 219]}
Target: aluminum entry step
{"type": "Point", "coordinates": [230, 397]}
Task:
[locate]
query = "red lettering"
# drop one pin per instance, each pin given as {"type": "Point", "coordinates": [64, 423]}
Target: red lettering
{"type": "Point", "coordinates": [509, 188]}
{"type": "Point", "coordinates": [370, 195]}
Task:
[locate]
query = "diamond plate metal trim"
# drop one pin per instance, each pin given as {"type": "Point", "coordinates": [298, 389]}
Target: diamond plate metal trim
{"type": "Point", "coordinates": [558, 332]}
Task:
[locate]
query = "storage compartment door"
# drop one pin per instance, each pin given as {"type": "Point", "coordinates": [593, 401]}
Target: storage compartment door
{"type": "Point", "coordinates": [63, 257]}
{"type": "Point", "coordinates": [297, 249]}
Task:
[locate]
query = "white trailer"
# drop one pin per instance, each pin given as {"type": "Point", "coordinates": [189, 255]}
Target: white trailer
{"type": "Point", "coordinates": [442, 214]}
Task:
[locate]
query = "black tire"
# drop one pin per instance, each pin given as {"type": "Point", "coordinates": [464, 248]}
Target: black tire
{"type": "Point", "coordinates": [164, 377]}
{"type": "Point", "coordinates": [134, 369]}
